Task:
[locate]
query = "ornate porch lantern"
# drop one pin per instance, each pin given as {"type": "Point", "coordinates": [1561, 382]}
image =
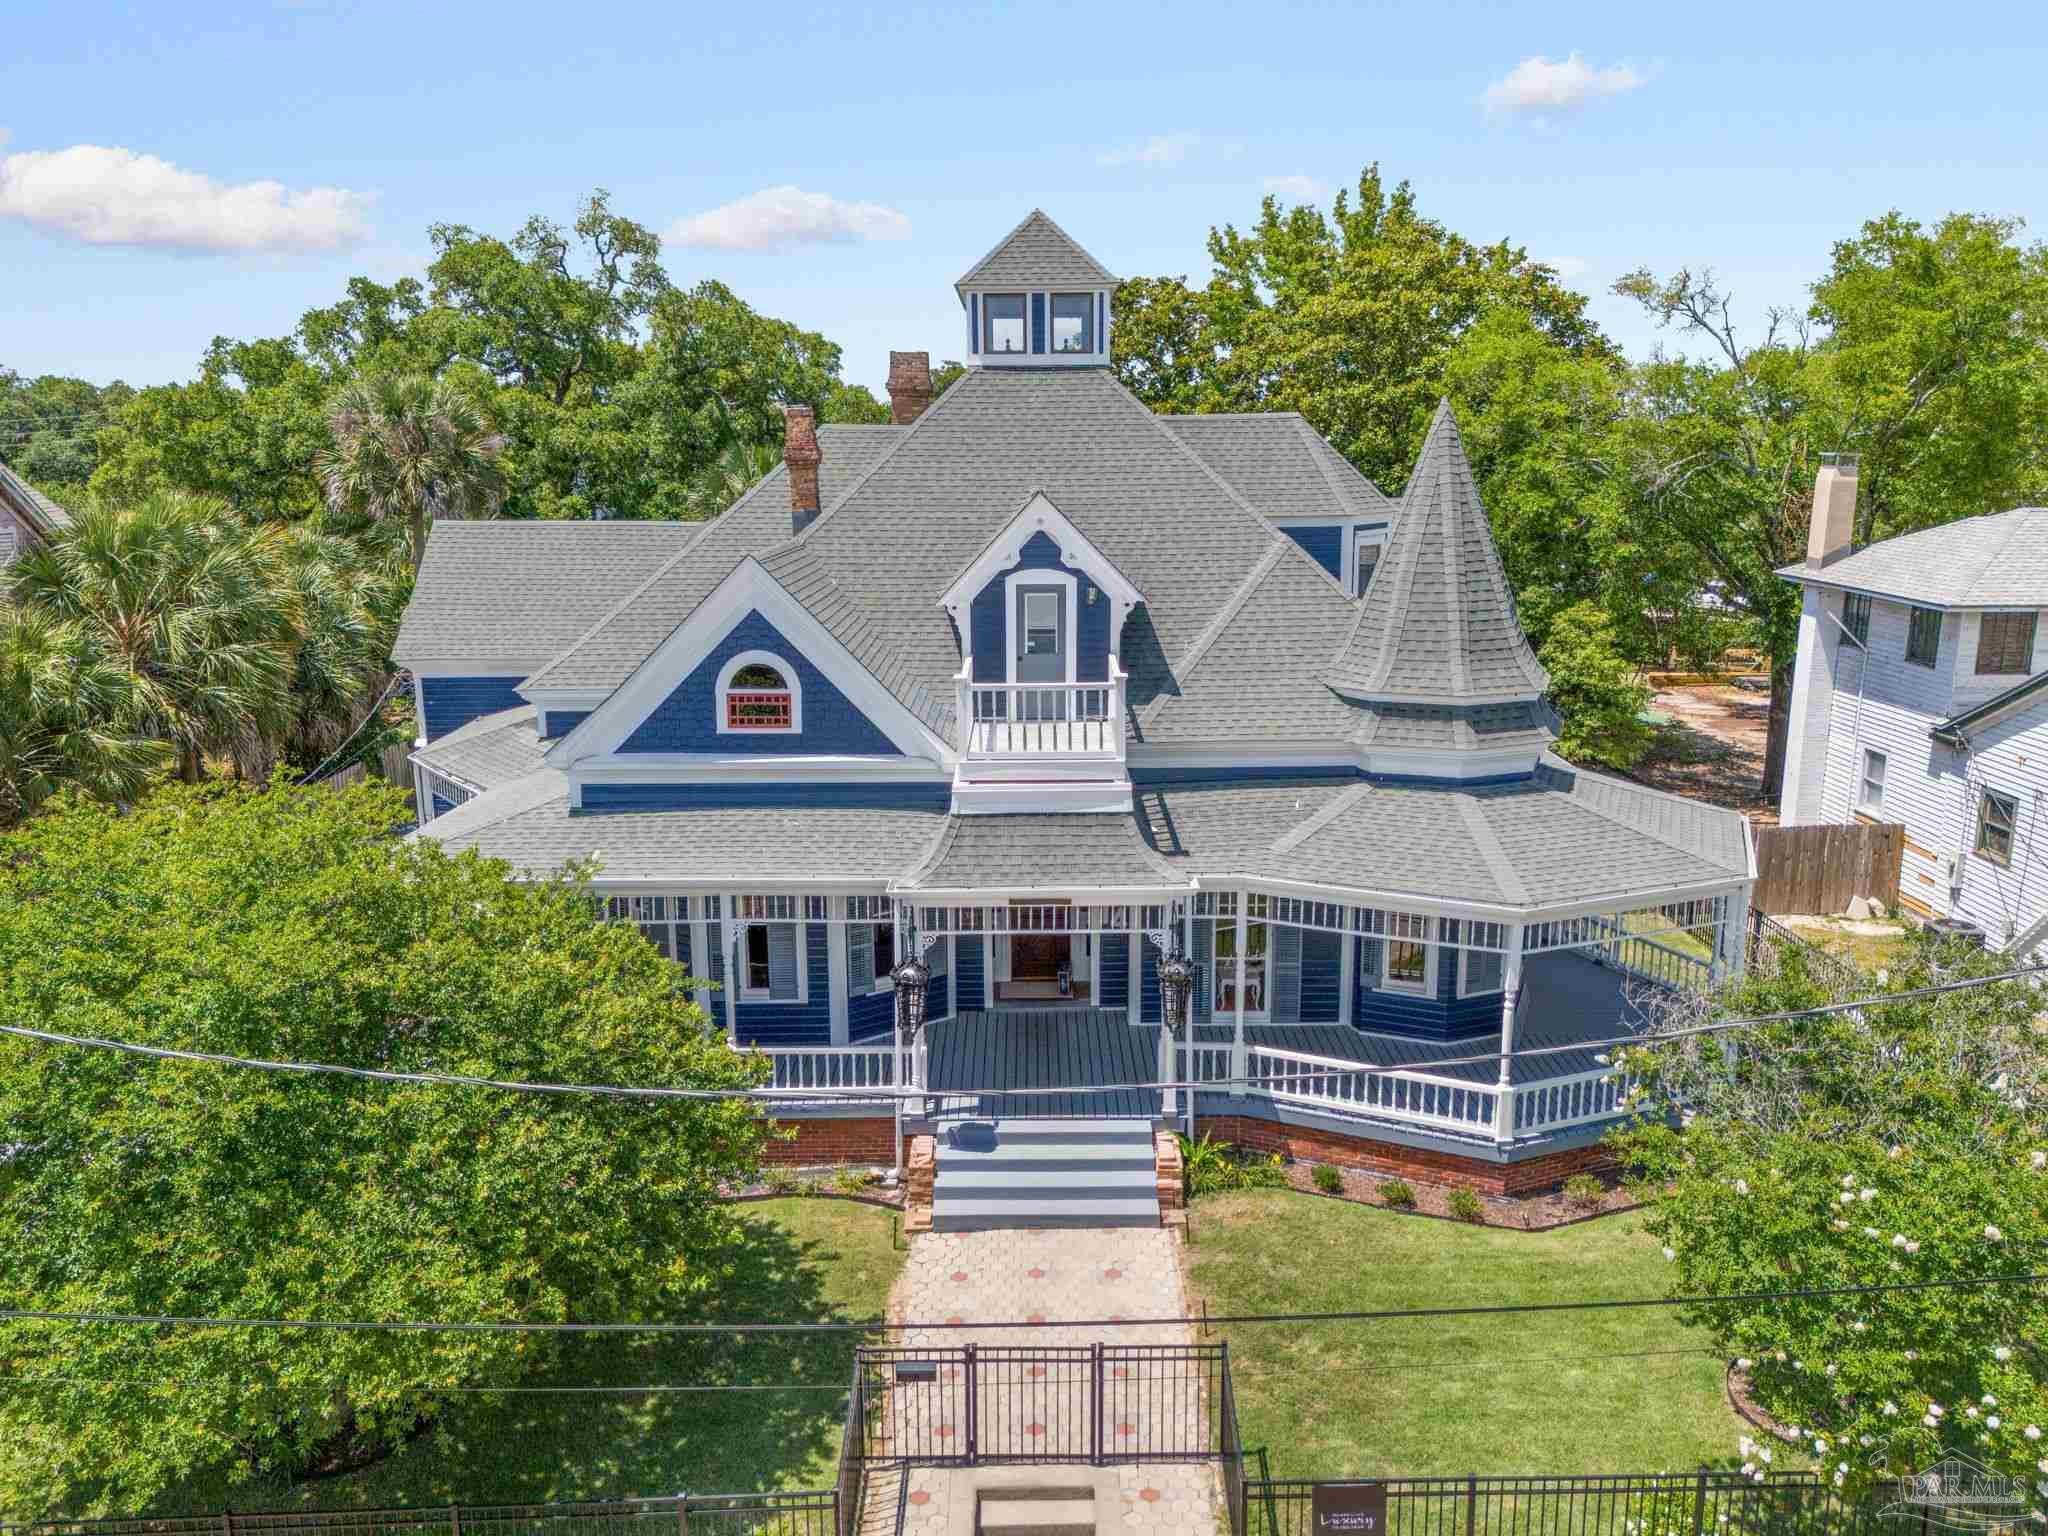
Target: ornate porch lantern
{"type": "Point", "coordinates": [912, 979]}
{"type": "Point", "coordinates": [1176, 983]}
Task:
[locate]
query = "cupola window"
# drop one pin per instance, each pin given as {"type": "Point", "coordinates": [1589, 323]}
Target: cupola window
{"type": "Point", "coordinates": [758, 693]}
{"type": "Point", "coordinates": [1002, 325]}
{"type": "Point", "coordinates": [1073, 322]}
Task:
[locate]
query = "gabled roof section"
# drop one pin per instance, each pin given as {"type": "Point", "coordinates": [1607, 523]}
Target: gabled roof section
{"type": "Point", "coordinates": [1956, 730]}
{"type": "Point", "coordinates": [1999, 560]}
{"type": "Point", "coordinates": [1037, 251]}
{"type": "Point", "coordinates": [1077, 551]}
{"type": "Point", "coordinates": [489, 751]}
{"type": "Point", "coordinates": [1276, 461]}
{"type": "Point", "coordinates": [1438, 625]}
{"type": "Point", "coordinates": [31, 505]}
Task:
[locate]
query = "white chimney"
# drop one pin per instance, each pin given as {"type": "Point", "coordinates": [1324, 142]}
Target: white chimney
{"type": "Point", "coordinates": [1833, 528]}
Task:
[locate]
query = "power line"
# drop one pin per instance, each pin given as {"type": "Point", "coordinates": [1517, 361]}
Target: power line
{"type": "Point", "coordinates": [390, 688]}
{"type": "Point", "coordinates": [881, 1325]}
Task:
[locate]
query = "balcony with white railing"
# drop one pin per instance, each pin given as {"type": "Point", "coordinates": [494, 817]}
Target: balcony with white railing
{"type": "Point", "coordinates": [1028, 724]}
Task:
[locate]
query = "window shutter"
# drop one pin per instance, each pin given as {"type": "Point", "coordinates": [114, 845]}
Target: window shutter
{"type": "Point", "coordinates": [782, 962]}
{"type": "Point", "coordinates": [1205, 950]}
{"type": "Point", "coordinates": [1037, 322]}
{"type": "Point", "coordinates": [1286, 947]}
{"type": "Point", "coordinates": [860, 958]}
{"type": "Point", "coordinates": [683, 945]}
{"type": "Point", "coordinates": [935, 957]}
{"type": "Point", "coordinates": [715, 954]}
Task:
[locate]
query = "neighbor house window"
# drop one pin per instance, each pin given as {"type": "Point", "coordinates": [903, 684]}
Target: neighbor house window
{"type": "Point", "coordinates": [758, 693]}
{"type": "Point", "coordinates": [1856, 616]}
{"type": "Point", "coordinates": [1407, 952]}
{"type": "Point", "coordinates": [1002, 322]}
{"type": "Point", "coordinates": [1923, 637]}
{"type": "Point", "coordinates": [1870, 800]}
{"type": "Point", "coordinates": [1997, 815]}
{"type": "Point", "coordinates": [1073, 322]}
{"type": "Point", "coordinates": [2005, 643]}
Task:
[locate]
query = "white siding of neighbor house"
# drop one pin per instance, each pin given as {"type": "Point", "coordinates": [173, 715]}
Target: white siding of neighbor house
{"type": "Point", "coordinates": [2010, 756]}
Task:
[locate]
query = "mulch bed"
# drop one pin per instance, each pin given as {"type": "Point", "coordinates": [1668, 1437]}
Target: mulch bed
{"type": "Point", "coordinates": [1521, 1213]}
{"type": "Point", "coordinates": [816, 1185]}
{"type": "Point", "coordinates": [1742, 1402]}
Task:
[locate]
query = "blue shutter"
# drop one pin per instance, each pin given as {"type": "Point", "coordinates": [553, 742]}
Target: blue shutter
{"type": "Point", "coordinates": [860, 958]}
{"type": "Point", "coordinates": [1286, 961]}
{"type": "Point", "coordinates": [1101, 323]}
{"type": "Point", "coordinates": [782, 961]}
{"type": "Point", "coordinates": [974, 323]}
{"type": "Point", "coordinates": [714, 952]}
{"type": "Point", "coordinates": [935, 957]}
{"type": "Point", "coordinates": [1205, 949]}
{"type": "Point", "coordinates": [683, 945]}
{"type": "Point", "coordinates": [1038, 322]}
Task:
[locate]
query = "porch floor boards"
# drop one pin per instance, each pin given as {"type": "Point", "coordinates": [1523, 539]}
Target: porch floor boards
{"type": "Point", "coordinates": [1019, 1046]}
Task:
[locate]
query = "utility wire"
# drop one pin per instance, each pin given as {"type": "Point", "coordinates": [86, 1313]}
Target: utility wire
{"type": "Point", "coordinates": [376, 709]}
{"type": "Point", "coordinates": [885, 1093]}
{"type": "Point", "coordinates": [880, 1325]}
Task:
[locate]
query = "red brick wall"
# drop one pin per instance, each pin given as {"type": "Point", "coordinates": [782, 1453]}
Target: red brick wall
{"type": "Point", "coordinates": [1307, 1145]}
{"type": "Point", "coordinates": [819, 1143]}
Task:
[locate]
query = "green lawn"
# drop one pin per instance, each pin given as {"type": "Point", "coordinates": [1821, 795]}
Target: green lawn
{"type": "Point", "coordinates": [804, 1260]}
{"type": "Point", "coordinates": [1440, 1397]}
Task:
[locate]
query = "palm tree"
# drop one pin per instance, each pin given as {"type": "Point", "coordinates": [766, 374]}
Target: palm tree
{"type": "Point", "coordinates": [408, 449]}
{"type": "Point", "coordinates": [197, 608]}
{"type": "Point", "coordinates": [739, 465]}
{"type": "Point", "coordinates": [62, 704]}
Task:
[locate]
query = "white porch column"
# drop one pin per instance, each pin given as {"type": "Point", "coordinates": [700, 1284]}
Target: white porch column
{"type": "Point", "coordinates": [1240, 1063]}
{"type": "Point", "coordinates": [703, 936]}
{"type": "Point", "coordinates": [729, 930]}
{"type": "Point", "coordinates": [835, 953]}
{"type": "Point", "coordinates": [1510, 997]}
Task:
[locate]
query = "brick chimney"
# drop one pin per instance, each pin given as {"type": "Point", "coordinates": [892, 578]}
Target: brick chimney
{"type": "Point", "coordinates": [800, 453]}
{"type": "Point", "coordinates": [910, 386]}
{"type": "Point", "coordinates": [1833, 528]}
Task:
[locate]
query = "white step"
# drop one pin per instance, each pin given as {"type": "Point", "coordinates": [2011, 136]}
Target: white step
{"type": "Point", "coordinates": [1075, 1132]}
{"type": "Point", "coordinates": [1053, 1185]}
{"type": "Point", "coordinates": [983, 1214]}
{"type": "Point", "coordinates": [1001, 1516]}
{"type": "Point", "coordinates": [1050, 1156]}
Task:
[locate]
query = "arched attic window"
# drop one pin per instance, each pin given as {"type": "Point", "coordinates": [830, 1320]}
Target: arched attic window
{"type": "Point", "coordinates": [758, 693]}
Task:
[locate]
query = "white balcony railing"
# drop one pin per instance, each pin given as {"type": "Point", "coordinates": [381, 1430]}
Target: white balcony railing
{"type": "Point", "coordinates": [837, 1068]}
{"type": "Point", "coordinates": [1027, 722]}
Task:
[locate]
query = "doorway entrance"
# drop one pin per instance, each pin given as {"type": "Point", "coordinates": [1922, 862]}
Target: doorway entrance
{"type": "Point", "coordinates": [1043, 963]}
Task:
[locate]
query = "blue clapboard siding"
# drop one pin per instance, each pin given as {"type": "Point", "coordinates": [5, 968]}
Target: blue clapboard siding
{"type": "Point", "coordinates": [988, 618]}
{"type": "Point", "coordinates": [449, 703]}
{"type": "Point", "coordinates": [1148, 979]}
{"type": "Point", "coordinates": [687, 720]}
{"type": "Point", "coordinates": [1116, 970]}
{"type": "Point", "coordinates": [557, 723]}
{"type": "Point", "coordinates": [970, 963]}
{"type": "Point", "coordinates": [443, 805]}
{"type": "Point", "coordinates": [1038, 322]}
{"type": "Point", "coordinates": [610, 798]}
{"type": "Point", "coordinates": [1322, 976]}
{"type": "Point", "coordinates": [938, 998]}
{"type": "Point", "coordinates": [1101, 323]}
{"type": "Point", "coordinates": [1394, 1013]}
{"type": "Point", "coordinates": [1325, 546]}
{"type": "Point", "coordinates": [1475, 1015]}
{"type": "Point", "coordinates": [1205, 936]}
{"type": "Point", "coordinates": [683, 945]}
{"type": "Point", "coordinates": [871, 1014]}
{"type": "Point", "coordinates": [807, 1023]}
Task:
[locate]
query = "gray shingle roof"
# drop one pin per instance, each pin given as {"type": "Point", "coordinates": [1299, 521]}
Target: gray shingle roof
{"type": "Point", "coordinates": [1037, 251]}
{"type": "Point", "coordinates": [640, 614]}
{"type": "Point", "coordinates": [1450, 727]}
{"type": "Point", "coordinates": [1279, 465]}
{"type": "Point", "coordinates": [509, 589]}
{"type": "Point", "coordinates": [1999, 560]}
{"type": "Point", "coordinates": [32, 503]}
{"type": "Point", "coordinates": [1438, 624]}
{"type": "Point", "coordinates": [1043, 852]}
{"type": "Point", "coordinates": [489, 751]}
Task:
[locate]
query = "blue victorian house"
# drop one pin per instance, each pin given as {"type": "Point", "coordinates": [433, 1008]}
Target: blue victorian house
{"type": "Point", "coordinates": [1037, 683]}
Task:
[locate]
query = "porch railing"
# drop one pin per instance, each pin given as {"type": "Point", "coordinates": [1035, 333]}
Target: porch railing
{"type": "Point", "coordinates": [1325, 1082]}
{"type": "Point", "coordinates": [809, 1067]}
{"type": "Point", "coordinates": [1033, 721]}
{"type": "Point", "coordinates": [1652, 961]}
{"type": "Point", "coordinates": [1552, 1104]}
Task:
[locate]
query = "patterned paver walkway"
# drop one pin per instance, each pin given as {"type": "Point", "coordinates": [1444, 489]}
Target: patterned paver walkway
{"type": "Point", "coordinates": [1050, 1276]}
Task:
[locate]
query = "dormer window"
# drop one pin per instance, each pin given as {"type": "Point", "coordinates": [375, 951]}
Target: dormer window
{"type": "Point", "coordinates": [1073, 322]}
{"type": "Point", "coordinates": [758, 694]}
{"type": "Point", "coordinates": [1002, 325]}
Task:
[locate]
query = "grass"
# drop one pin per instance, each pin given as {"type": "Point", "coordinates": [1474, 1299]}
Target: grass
{"type": "Point", "coordinates": [1872, 952]}
{"type": "Point", "coordinates": [804, 1260]}
{"type": "Point", "coordinates": [1446, 1396]}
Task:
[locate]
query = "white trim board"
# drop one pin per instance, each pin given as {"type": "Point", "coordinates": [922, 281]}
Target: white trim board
{"type": "Point", "coordinates": [1077, 552]}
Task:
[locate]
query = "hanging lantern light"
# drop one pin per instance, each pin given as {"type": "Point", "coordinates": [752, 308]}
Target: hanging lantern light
{"type": "Point", "coordinates": [912, 980]}
{"type": "Point", "coordinates": [1176, 983]}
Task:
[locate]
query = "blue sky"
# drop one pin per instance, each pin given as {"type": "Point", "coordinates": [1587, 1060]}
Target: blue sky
{"type": "Point", "coordinates": [1599, 137]}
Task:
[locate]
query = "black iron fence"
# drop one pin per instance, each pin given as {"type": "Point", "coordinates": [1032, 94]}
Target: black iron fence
{"type": "Point", "coordinates": [813, 1512]}
{"type": "Point", "coordinates": [1703, 1503]}
{"type": "Point", "coordinates": [1773, 947]}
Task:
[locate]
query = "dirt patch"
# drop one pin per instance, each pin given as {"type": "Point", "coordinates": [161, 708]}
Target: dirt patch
{"type": "Point", "coordinates": [1710, 746]}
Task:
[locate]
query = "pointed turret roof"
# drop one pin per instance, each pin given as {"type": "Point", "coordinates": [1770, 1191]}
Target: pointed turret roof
{"type": "Point", "coordinates": [1039, 252]}
{"type": "Point", "coordinates": [1438, 624]}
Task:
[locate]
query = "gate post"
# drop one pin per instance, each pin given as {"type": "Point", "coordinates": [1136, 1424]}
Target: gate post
{"type": "Point", "coordinates": [1095, 1403]}
{"type": "Point", "coordinates": [1699, 1504]}
{"type": "Point", "coordinates": [972, 1378]}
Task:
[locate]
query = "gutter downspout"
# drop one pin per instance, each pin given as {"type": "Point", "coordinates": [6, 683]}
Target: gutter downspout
{"type": "Point", "coordinates": [1856, 731]}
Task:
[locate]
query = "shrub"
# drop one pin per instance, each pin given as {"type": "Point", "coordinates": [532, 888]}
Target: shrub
{"type": "Point", "coordinates": [1584, 1189]}
{"type": "Point", "coordinates": [851, 1181]}
{"type": "Point", "coordinates": [780, 1180]}
{"type": "Point", "coordinates": [1327, 1179]}
{"type": "Point", "coordinates": [1397, 1194]}
{"type": "Point", "coordinates": [1215, 1167]}
{"type": "Point", "coordinates": [1466, 1206]}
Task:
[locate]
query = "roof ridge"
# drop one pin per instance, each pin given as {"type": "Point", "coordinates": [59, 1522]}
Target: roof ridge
{"type": "Point", "coordinates": [1103, 273]}
{"type": "Point", "coordinates": [1307, 434]}
{"type": "Point", "coordinates": [934, 854]}
{"type": "Point", "coordinates": [1302, 831]}
{"type": "Point", "coordinates": [2012, 531]}
{"type": "Point", "coordinates": [1183, 666]}
{"type": "Point", "coordinates": [1488, 843]}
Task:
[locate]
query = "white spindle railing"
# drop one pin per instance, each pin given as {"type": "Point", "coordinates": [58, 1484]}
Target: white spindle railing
{"type": "Point", "coordinates": [1653, 961]}
{"type": "Point", "coordinates": [838, 1067]}
{"type": "Point", "coordinates": [1205, 1062]}
{"type": "Point", "coordinates": [1342, 1086]}
{"type": "Point", "coordinates": [1042, 720]}
{"type": "Point", "coordinates": [1551, 1104]}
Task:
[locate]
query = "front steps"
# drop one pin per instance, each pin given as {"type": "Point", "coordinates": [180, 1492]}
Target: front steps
{"type": "Point", "coordinates": [1047, 1509]}
{"type": "Point", "coordinates": [1045, 1173]}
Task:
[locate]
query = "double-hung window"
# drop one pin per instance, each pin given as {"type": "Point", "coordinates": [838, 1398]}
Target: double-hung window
{"type": "Point", "coordinates": [1923, 636]}
{"type": "Point", "coordinates": [1073, 322]}
{"type": "Point", "coordinates": [2005, 644]}
{"type": "Point", "coordinates": [1997, 817]}
{"type": "Point", "coordinates": [1856, 616]}
{"type": "Point", "coordinates": [1407, 953]}
{"type": "Point", "coordinates": [1002, 322]}
{"type": "Point", "coordinates": [870, 958]}
{"type": "Point", "coordinates": [770, 959]}
{"type": "Point", "coordinates": [1870, 793]}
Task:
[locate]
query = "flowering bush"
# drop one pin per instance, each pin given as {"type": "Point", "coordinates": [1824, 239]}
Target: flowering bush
{"type": "Point", "coordinates": [1900, 1144]}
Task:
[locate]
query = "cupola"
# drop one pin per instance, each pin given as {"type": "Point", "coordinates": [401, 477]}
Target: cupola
{"type": "Point", "coordinates": [1037, 300]}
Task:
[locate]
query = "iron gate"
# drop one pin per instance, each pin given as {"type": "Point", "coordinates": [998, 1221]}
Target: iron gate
{"type": "Point", "coordinates": [980, 1404]}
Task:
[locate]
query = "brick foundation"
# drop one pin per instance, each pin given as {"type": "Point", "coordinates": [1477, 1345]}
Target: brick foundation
{"type": "Point", "coordinates": [1308, 1145]}
{"type": "Point", "coordinates": [825, 1143]}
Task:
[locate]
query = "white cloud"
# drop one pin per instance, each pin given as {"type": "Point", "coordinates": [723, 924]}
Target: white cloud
{"type": "Point", "coordinates": [1160, 149]}
{"type": "Point", "coordinates": [1568, 267]}
{"type": "Point", "coordinates": [1296, 189]}
{"type": "Point", "coordinates": [111, 196]}
{"type": "Point", "coordinates": [777, 216]}
{"type": "Point", "coordinates": [1538, 84]}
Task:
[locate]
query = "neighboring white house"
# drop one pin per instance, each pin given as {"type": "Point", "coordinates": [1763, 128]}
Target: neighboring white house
{"type": "Point", "coordinates": [1920, 698]}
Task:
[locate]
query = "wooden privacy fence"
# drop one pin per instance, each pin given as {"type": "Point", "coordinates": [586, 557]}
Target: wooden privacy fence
{"type": "Point", "coordinates": [1823, 868]}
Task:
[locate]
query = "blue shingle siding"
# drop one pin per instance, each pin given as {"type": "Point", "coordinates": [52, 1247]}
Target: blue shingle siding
{"type": "Point", "coordinates": [608, 798]}
{"type": "Point", "coordinates": [1393, 1013]}
{"type": "Point", "coordinates": [989, 617]}
{"type": "Point", "coordinates": [969, 962]}
{"type": "Point", "coordinates": [808, 1023]}
{"type": "Point", "coordinates": [687, 720]}
{"type": "Point", "coordinates": [1038, 322]}
{"type": "Point", "coordinates": [1116, 970]}
{"type": "Point", "coordinates": [557, 723]}
{"type": "Point", "coordinates": [1325, 546]}
{"type": "Point", "coordinates": [1148, 979]}
{"type": "Point", "coordinates": [1322, 976]}
{"type": "Point", "coordinates": [443, 805]}
{"type": "Point", "coordinates": [449, 703]}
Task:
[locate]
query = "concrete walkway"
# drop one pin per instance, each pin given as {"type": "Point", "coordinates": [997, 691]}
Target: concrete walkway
{"type": "Point", "coordinates": [1048, 1276]}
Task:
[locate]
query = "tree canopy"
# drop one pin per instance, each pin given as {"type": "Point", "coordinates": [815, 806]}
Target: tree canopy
{"type": "Point", "coordinates": [291, 924]}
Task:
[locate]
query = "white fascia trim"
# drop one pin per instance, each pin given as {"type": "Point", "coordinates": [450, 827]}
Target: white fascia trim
{"type": "Point", "coordinates": [552, 699]}
{"type": "Point", "coordinates": [1077, 551]}
{"type": "Point", "coordinates": [434, 770]}
{"type": "Point", "coordinates": [783, 669]}
{"type": "Point", "coordinates": [1079, 895]}
{"type": "Point", "coordinates": [719, 768]}
{"type": "Point", "coordinates": [1435, 906]}
{"type": "Point", "coordinates": [746, 589]}
{"type": "Point", "coordinates": [999, 798]}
